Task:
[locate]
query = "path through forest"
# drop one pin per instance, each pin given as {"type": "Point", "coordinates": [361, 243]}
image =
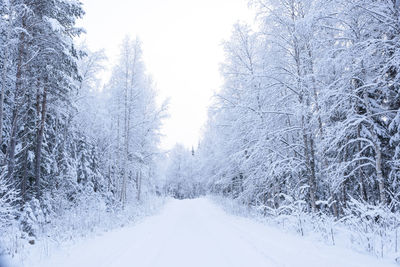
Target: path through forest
{"type": "Point", "coordinates": [191, 233]}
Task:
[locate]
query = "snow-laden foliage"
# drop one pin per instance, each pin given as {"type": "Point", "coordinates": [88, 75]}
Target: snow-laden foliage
{"type": "Point", "coordinates": [305, 129]}
{"type": "Point", "coordinates": [306, 126]}
{"type": "Point", "coordinates": [181, 174]}
{"type": "Point", "coordinates": [8, 211]}
{"type": "Point", "coordinates": [73, 155]}
{"type": "Point", "coordinates": [134, 122]}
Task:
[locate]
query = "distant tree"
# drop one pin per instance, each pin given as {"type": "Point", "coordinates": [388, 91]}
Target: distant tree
{"type": "Point", "coordinates": [135, 118]}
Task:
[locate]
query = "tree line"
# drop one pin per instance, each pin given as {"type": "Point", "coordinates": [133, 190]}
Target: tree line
{"type": "Point", "coordinates": [310, 106]}
{"type": "Point", "coordinates": [306, 128]}
{"type": "Point", "coordinates": [65, 139]}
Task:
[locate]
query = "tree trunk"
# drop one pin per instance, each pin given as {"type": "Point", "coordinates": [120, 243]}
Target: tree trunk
{"type": "Point", "coordinates": [379, 173]}
{"type": "Point", "coordinates": [315, 93]}
{"type": "Point", "coordinates": [18, 93]}
{"type": "Point", "coordinates": [139, 184]}
{"type": "Point", "coordinates": [378, 155]}
{"type": "Point", "coordinates": [24, 181]}
{"type": "Point", "coordinates": [39, 141]}
{"type": "Point", "coordinates": [3, 89]}
{"type": "Point", "coordinates": [363, 191]}
{"type": "Point", "coordinates": [310, 165]}
{"type": "Point", "coordinates": [4, 76]}
{"type": "Point", "coordinates": [126, 137]}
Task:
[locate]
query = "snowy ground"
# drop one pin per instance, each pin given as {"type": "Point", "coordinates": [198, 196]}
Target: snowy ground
{"type": "Point", "coordinates": [191, 233]}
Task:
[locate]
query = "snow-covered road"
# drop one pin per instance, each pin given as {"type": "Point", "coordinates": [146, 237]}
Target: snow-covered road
{"type": "Point", "coordinates": [191, 233]}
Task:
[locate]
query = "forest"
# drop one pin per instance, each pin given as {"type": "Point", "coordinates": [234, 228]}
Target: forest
{"type": "Point", "coordinates": [70, 153]}
{"type": "Point", "coordinates": [306, 126]}
{"type": "Point", "coordinates": [304, 133]}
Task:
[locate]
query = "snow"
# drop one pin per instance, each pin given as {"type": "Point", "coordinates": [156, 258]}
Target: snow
{"type": "Point", "coordinates": [199, 233]}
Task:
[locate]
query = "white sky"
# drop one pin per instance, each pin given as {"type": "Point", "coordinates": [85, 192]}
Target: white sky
{"type": "Point", "coordinates": [182, 50]}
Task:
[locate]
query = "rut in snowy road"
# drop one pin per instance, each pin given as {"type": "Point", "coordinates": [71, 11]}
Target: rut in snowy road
{"type": "Point", "coordinates": [191, 233]}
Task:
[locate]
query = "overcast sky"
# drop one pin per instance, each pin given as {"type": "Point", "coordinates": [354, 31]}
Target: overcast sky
{"type": "Point", "coordinates": [182, 50]}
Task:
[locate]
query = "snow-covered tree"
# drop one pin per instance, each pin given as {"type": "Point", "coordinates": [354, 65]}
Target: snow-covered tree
{"type": "Point", "coordinates": [181, 177]}
{"type": "Point", "coordinates": [135, 120]}
{"type": "Point", "coordinates": [309, 104]}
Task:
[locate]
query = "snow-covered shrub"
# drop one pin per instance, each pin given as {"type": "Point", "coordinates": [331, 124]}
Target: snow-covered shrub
{"type": "Point", "coordinates": [8, 201]}
{"type": "Point", "coordinates": [32, 218]}
{"type": "Point", "coordinates": [325, 224]}
{"type": "Point", "coordinates": [291, 213]}
{"type": "Point", "coordinates": [179, 174]}
{"type": "Point", "coordinates": [365, 227]}
{"type": "Point", "coordinates": [373, 227]}
{"type": "Point", "coordinates": [9, 231]}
